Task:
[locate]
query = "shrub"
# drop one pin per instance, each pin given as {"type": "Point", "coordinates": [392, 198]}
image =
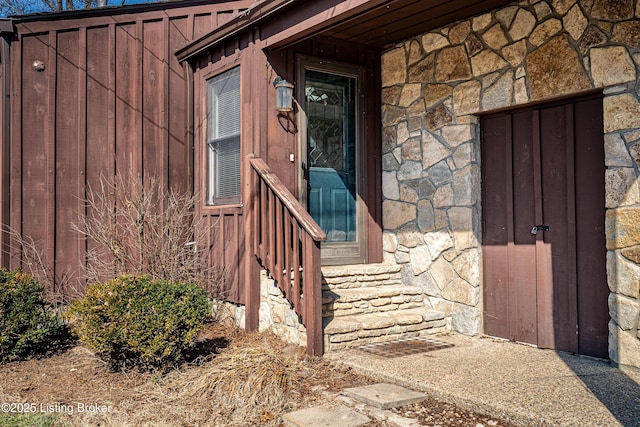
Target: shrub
{"type": "Point", "coordinates": [136, 320]}
{"type": "Point", "coordinates": [142, 227]}
{"type": "Point", "coordinates": [27, 325]}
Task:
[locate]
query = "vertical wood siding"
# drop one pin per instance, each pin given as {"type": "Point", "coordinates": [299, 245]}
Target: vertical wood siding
{"type": "Point", "coordinates": [226, 244]}
{"type": "Point", "coordinates": [5, 134]}
{"type": "Point", "coordinates": [111, 100]}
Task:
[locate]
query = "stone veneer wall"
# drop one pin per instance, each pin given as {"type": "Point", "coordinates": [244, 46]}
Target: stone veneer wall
{"type": "Point", "coordinates": [433, 85]}
{"type": "Point", "coordinates": [277, 315]}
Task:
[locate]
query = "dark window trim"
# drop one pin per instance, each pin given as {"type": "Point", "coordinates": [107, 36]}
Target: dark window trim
{"type": "Point", "coordinates": [219, 202]}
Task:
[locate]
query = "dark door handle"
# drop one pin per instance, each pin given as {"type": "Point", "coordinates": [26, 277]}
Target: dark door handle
{"type": "Point", "coordinates": [305, 171]}
{"type": "Point", "coordinates": [536, 228]}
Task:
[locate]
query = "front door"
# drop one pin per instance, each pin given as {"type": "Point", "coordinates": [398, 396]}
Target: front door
{"type": "Point", "coordinates": [543, 227]}
{"type": "Point", "coordinates": [330, 150]}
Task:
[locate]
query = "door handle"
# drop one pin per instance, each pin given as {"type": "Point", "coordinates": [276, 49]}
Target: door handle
{"type": "Point", "coordinates": [305, 171]}
{"type": "Point", "coordinates": [536, 228]}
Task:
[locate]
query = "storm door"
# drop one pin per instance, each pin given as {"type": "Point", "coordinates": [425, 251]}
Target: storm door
{"type": "Point", "coordinates": [543, 227]}
{"type": "Point", "coordinates": [330, 149]}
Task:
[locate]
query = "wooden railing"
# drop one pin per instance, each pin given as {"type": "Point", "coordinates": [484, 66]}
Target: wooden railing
{"type": "Point", "coordinates": [286, 241]}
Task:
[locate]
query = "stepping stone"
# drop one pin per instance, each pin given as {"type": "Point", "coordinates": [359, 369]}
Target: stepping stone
{"type": "Point", "coordinates": [385, 396]}
{"type": "Point", "coordinates": [324, 416]}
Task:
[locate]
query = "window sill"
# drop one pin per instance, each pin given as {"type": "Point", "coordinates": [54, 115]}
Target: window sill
{"type": "Point", "coordinates": [231, 208]}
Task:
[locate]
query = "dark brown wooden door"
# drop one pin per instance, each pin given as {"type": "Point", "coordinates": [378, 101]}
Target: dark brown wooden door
{"type": "Point", "coordinates": [544, 167]}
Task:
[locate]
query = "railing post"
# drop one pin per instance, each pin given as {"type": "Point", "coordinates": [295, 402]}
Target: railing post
{"type": "Point", "coordinates": [296, 265]}
{"type": "Point", "coordinates": [312, 294]}
{"type": "Point", "coordinates": [251, 270]}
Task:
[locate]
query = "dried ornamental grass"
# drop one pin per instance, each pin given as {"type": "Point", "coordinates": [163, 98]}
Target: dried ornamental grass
{"type": "Point", "coordinates": [256, 375]}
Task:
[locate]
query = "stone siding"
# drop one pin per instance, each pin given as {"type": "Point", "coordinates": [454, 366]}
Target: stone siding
{"type": "Point", "coordinates": [361, 304]}
{"type": "Point", "coordinates": [277, 315]}
{"type": "Point", "coordinates": [434, 83]}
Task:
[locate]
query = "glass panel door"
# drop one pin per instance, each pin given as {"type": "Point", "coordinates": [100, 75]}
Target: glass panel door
{"type": "Point", "coordinates": [331, 154]}
{"type": "Point", "coordinates": [331, 176]}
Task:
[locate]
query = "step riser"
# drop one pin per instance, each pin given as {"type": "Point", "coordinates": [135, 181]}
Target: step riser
{"type": "Point", "coordinates": [340, 332]}
{"type": "Point", "coordinates": [372, 299]}
{"type": "Point", "coordinates": [333, 342]}
{"type": "Point", "coordinates": [405, 302]}
{"type": "Point", "coordinates": [360, 276]}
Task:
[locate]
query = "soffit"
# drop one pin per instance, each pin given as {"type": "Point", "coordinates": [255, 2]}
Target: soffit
{"type": "Point", "coordinates": [375, 23]}
{"type": "Point", "coordinates": [398, 20]}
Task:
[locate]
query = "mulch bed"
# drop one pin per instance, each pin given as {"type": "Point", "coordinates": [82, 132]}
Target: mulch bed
{"type": "Point", "coordinates": [262, 378]}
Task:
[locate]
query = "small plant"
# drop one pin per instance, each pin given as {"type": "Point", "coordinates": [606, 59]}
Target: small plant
{"type": "Point", "coordinates": [61, 285]}
{"type": "Point", "coordinates": [136, 320]}
{"type": "Point", "coordinates": [27, 325]}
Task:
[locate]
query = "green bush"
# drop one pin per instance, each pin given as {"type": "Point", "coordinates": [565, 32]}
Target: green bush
{"type": "Point", "coordinates": [27, 325]}
{"type": "Point", "coordinates": [136, 320]}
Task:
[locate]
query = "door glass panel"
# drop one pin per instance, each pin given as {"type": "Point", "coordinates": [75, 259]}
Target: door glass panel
{"type": "Point", "coordinates": [331, 153]}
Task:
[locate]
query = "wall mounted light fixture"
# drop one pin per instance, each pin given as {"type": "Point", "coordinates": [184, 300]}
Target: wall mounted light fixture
{"type": "Point", "coordinates": [38, 66]}
{"type": "Point", "coordinates": [284, 94]}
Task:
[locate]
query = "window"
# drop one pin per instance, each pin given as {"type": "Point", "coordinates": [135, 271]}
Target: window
{"type": "Point", "coordinates": [223, 138]}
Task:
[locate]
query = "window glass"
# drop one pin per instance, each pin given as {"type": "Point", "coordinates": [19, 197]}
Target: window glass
{"type": "Point", "coordinates": [223, 138]}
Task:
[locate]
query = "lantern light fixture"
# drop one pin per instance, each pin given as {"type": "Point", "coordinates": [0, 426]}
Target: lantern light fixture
{"type": "Point", "coordinates": [284, 94]}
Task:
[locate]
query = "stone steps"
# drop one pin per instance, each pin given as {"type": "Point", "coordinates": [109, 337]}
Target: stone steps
{"type": "Point", "coordinates": [365, 328]}
{"type": "Point", "coordinates": [360, 276]}
{"type": "Point", "coordinates": [354, 300]}
{"type": "Point", "coordinates": [368, 303]}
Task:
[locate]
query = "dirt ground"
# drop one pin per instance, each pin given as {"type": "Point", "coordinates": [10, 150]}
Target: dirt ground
{"type": "Point", "coordinates": [233, 379]}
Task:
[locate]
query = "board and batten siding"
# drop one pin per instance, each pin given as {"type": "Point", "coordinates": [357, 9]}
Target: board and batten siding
{"type": "Point", "coordinates": [5, 118]}
{"type": "Point", "coordinates": [111, 100]}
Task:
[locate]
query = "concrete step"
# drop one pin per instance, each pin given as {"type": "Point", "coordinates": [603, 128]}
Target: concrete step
{"type": "Point", "coordinates": [339, 302]}
{"type": "Point", "coordinates": [334, 415]}
{"type": "Point", "coordinates": [358, 329]}
{"type": "Point", "coordinates": [385, 395]}
{"type": "Point", "coordinates": [382, 396]}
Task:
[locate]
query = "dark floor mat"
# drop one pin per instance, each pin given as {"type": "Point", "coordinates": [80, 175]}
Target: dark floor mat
{"type": "Point", "coordinates": [404, 347]}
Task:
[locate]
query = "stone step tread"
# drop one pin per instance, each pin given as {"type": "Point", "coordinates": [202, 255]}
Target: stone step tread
{"type": "Point", "coordinates": [378, 306]}
{"type": "Point", "coordinates": [356, 322]}
{"type": "Point", "coordinates": [360, 269]}
{"type": "Point", "coordinates": [353, 284]}
{"type": "Point", "coordinates": [367, 293]}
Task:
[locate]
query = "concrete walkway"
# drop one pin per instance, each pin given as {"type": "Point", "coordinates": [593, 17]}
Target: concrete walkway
{"type": "Point", "coordinates": [516, 382]}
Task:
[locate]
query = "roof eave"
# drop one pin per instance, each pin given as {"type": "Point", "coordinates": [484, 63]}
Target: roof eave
{"type": "Point", "coordinates": [110, 10]}
{"type": "Point", "coordinates": [245, 20]}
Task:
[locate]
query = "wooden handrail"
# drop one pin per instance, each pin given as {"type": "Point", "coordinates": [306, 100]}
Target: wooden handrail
{"type": "Point", "coordinates": [294, 206]}
{"type": "Point", "coordinates": [285, 239]}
